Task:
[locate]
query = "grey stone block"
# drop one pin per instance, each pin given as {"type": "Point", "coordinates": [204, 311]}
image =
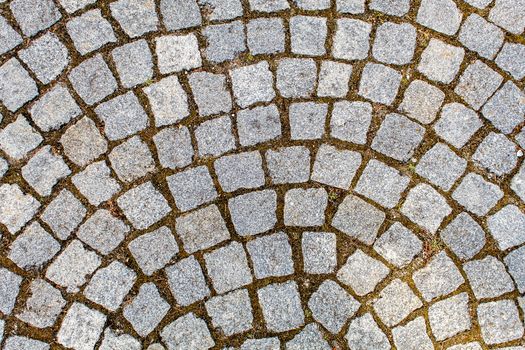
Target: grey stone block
{"type": "Point", "coordinates": [422, 101]}
{"type": "Point", "coordinates": [288, 164]}
{"type": "Point", "coordinates": [90, 31]}
{"type": "Point", "coordinates": [351, 39]}
{"type": "Point", "coordinates": [224, 41]}
{"type": "Point", "coordinates": [231, 313]}
{"type": "Point", "coordinates": [174, 147]}
{"type": "Point", "coordinates": [19, 138]}
{"type": "Point", "coordinates": [96, 183]}
{"type": "Point", "coordinates": [186, 281]}
{"type": "Point", "coordinates": [252, 84]}
{"type": "Point", "coordinates": [136, 17]}
{"type": "Point", "coordinates": [464, 236]}
{"type": "Point", "coordinates": [265, 36]}
{"type": "Point", "coordinates": [305, 207]}
{"type": "Point", "coordinates": [506, 226]}
{"type": "Point", "coordinates": [319, 252]}
{"type": "Point", "coordinates": [83, 143]}
{"type": "Point", "coordinates": [102, 231]}
{"type": "Point", "coordinates": [440, 61]}
{"type": "Point", "coordinates": [457, 124]}
{"type": "Point", "coordinates": [362, 273]}
{"type": "Point", "coordinates": [215, 137]}
{"type": "Point", "coordinates": [54, 109]}
{"type": "Point", "coordinates": [92, 80]}
{"type": "Point", "coordinates": [180, 14]}
{"type": "Point", "coordinates": [146, 310]}
{"type": "Point", "coordinates": [16, 86]}
{"type": "Point", "coordinates": [34, 16]}
{"type": "Point", "coordinates": [334, 79]}
{"type": "Point", "coordinates": [192, 187]}
{"type": "Point", "coordinates": [16, 207]}
{"type": "Point", "coordinates": [243, 170]}
{"type": "Point", "coordinates": [253, 213]}
{"type": "Point", "coordinates": [153, 250]}
{"type": "Point", "coordinates": [335, 167]}
{"type": "Point", "coordinates": [210, 93]}
{"type": "Point", "coordinates": [412, 335]}
{"type": "Point", "coordinates": [131, 159]}
{"type": "Point", "coordinates": [443, 16]}
{"type": "Point", "coordinates": [394, 43]}
{"type": "Point", "coordinates": [187, 332]}
{"type": "Point", "coordinates": [488, 278]}
{"type": "Point", "coordinates": [281, 306]}
{"type": "Point", "coordinates": [499, 321]}
{"type": "Point", "coordinates": [441, 166]}
{"type": "Point", "coordinates": [176, 53]}
{"type": "Point", "coordinates": [296, 77]}
{"type": "Point", "coordinates": [398, 245]}
{"type": "Point", "coordinates": [308, 35]}
{"type": "Point", "coordinates": [44, 170]}
{"type": "Point", "coordinates": [134, 63]}
{"type": "Point", "coordinates": [476, 194]}
{"type": "Point", "coordinates": [481, 36]}
{"type": "Point", "coordinates": [307, 120]}
{"type": "Point", "coordinates": [450, 316]}
{"type": "Point", "coordinates": [43, 307]}
{"type": "Point", "coordinates": [379, 83]}
{"type": "Point", "coordinates": [81, 327]}
{"type": "Point", "coordinates": [506, 108]}
{"type": "Point", "coordinates": [64, 214]}
{"type": "Point", "coordinates": [395, 302]}
{"type": "Point", "coordinates": [168, 101]}
{"type": "Point", "coordinates": [271, 256]}
{"type": "Point", "coordinates": [33, 248]}
{"type": "Point", "coordinates": [477, 83]}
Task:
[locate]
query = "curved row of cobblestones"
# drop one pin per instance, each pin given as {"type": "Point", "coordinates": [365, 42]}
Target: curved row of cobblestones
{"type": "Point", "coordinates": [262, 174]}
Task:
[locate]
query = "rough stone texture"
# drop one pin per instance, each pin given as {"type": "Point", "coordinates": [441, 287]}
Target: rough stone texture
{"type": "Point", "coordinates": [64, 214]}
{"type": "Point", "coordinates": [395, 302]}
{"type": "Point", "coordinates": [509, 15]}
{"type": "Point", "coordinates": [261, 344]}
{"type": "Point", "coordinates": [10, 37]}
{"type": "Point", "coordinates": [288, 164]}
{"type": "Point", "coordinates": [96, 183]}
{"type": "Point", "coordinates": [450, 316]}
{"type": "Point", "coordinates": [33, 248]}
{"type": "Point", "coordinates": [441, 166]}
{"type": "Point", "coordinates": [351, 39]}
{"type": "Point", "coordinates": [440, 61]}
{"type": "Point", "coordinates": [488, 277]}
{"type": "Point", "coordinates": [243, 170]}
{"type": "Point", "coordinates": [464, 236]}
{"type": "Point", "coordinates": [118, 340]}
{"type": "Point", "coordinates": [222, 9]}
{"type": "Point", "coordinates": [422, 101]}
{"type": "Point", "coordinates": [481, 36]}
{"type": "Point", "coordinates": [131, 159]}
{"type": "Point", "coordinates": [362, 273]}
{"type": "Point", "coordinates": [81, 327]}
{"type": "Point", "coordinates": [146, 310]}
{"type": "Point", "coordinates": [319, 252]}
{"type": "Point", "coordinates": [34, 16]}
{"type": "Point", "coordinates": [310, 336]}
{"type": "Point", "coordinates": [16, 86]}
{"type": "Point", "coordinates": [252, 84]}
{"type": "Point", "coordinates": [296, 77]}
{"type": "Point", "coordinates": [508, 59]}
{"type": "Point", "coordinates": [305, 207]}
{"type": "Point", "coordinates": [515, 262]}
{"type": "Point", "coordinates": [358, 219]}
{"type": "Point", "coordinates": [210, 93]}
{"type": "Point", "coordinates": [44, 306]}
{"type": "Point", "coordinates": [9, 288]}
{"type": "Point", "coordinates": [440, 15]}
{"type": "Point", "coordinates": [154, 250]}
{"type": "Point", "coordinates": [253, 213]}
{"type": "Point", "coordinates": [281, 306]}
{"type": "Point", "coordinates": [413, 335]}
{"type": "Point", "coordinates": [258, 125]}
{"type": "Point", "coordinates": [335, 167]}
{"type": "Point", "coordinates": [92, 80]}
{"type": "Point", "coordinates": [136, 17]}
{"type": "Point", "coordinates": [215, 137]}
{"type": "Point", "coordinates": [394, 43]}
{"type": "Point", "coordinates": [457, 124]}
{"type": "Point", "coordinates": [497, 154]}
{"type": "Point", "coordinates": [364, 334]}
{"type": "Point", "coordinates": [186, 281]}
{"type": "Point", "coordinates": [398, 245]}
{"type": "Point", "coordinates": [18, 342]}
{"type": "Point", "coordinates": [19, 138]}
{"type": "Point", "coordinates": [334, 78]}
{"type": "Point", "coordinates": [476, 194]}
{"type": "Point", "coordinates": [350, 121]}
{"type": "Point", "coordinates": [168, 101]}
{"type": "Point", "coordinates": [231, 313]}
{"type": "Point", "coordinates": [174, 148]}
{"type": "Point", "coordinates": [224, 41]}
{"type": "Point", "coordinates": [271, 256]}
{"type": "Point", "coordinates": [379, 83]}
{"type": "Point", "coordinates": [477, 83]}
{"type": "Point", "coordinates": [505, 226]}
{"type": "Point", "coordinates": [83, 143]}
{"type": "Point", "coordinates": [187, 332]}
{"type": "Point", "coordinates": [426, 207]}
{"type": "Point", "coordinates": [44, 170]}
{"type": "Point", "coordinates": [73, 5]}
{"type": "Point", "coordinates": [177, 53]}
{"type": "Point", "coordinates": [134, 62]}
{"type": "Point", "coordinates": [191, 188]}
{"type": "Point", "coordinates": [180, 14]}
{"type": "Point", "coordinates": [438, 278]}
{"type": "Point", "coordinates": [90, 31]}
{"type": "Point", "coordinates": [228, 267]}
{"type": "Point", "coordinates": [308, 35]}
{"type": "Point", "coordinates": [391, 7]}
{"type": "Point", "coordinates": [499, 321]}
{"type": "Point", "coordinates": [54, 109]}
{"type": "Point", "coordinates": [16, 207]}
{"type": "Point", "coordinates": [506, 109]}
{"type": "Point", "coordinates": [307, 120]}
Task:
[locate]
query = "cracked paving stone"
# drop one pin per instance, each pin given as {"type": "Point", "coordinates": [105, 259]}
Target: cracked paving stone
{"type": "Point", "coordinates": [305, 207]}
{"type": "Point", "coordinates": [271, 256]}
{"type": "Point", "coordinates": [281, 306]}
{"type": "Point", "coordinates": [154, 250]}
{"type": "Point", "coordinates": [146, 310]}
{"type": "Point", "coordinates": [253, 213]}
{"type": "Point", "coordinates": [186, 281]}
{"type": "Point", "coordinates": [362, 273]}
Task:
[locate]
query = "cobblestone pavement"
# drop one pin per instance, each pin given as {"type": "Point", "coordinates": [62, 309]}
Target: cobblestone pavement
{"type": "Point", "coordinates": [262, 174]}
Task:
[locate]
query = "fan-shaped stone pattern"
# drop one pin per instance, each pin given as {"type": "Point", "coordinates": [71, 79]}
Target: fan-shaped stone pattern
{"type": "Point", "coordinates": [226, 174]}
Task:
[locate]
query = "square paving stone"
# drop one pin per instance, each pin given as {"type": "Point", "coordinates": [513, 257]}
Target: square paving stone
{"type": "Point", "coordinates": [398, 245]}
{"type": "Point", "coordinates": [351, 39]}
{"type": "Point", "coordinates": [131, 159]}
{"type": "Point", "coordinates": [310, 336]}
{"type": "Point", "coordinates": [413, 335]}
{"type": "Point", "coordinates": [506, 226]}
{"type": "Point", "coordinates": [47, 57]}
{"type": "Point", "coordinates": [481, 36]}
{"type": "Point", "coordinates": [394, 43]}
{"type": "Point", "coordinates": [16, 86]}
{"type": "Point", "coordinates": [477, 83]}
{"type": "Point", "coordinates": [187, 332]}
{"type": "Point", "coordinates": [319, 252]}
{"type": "Point", "coordinates": [509, 15]}
{"type": "Point", "coordinates": [16, 207]}
{"type": "Point", "coordinates": [438, 278]}
{"type": "Point", "coordinates": [271, 256]}
{"type": "Point", "coordinates": [364, 334]}
{"type": "Point", "coordinates": [16, 342]}
{"type": "Point", "coordinates": [146, 310]}
{"type": "Point", "coordinates": [334, 78]}
{"type": "Point", "coordinates": [440, 61]}
{"type": "Point", "coordinates": [464, 236]}
{"type": "Point", "coordinates": [497, 154]}
{"type": "Point", "coordinates": [177, 53]}
{"type": "Point", "coordinates": [44, 170]}
{"type": "Point", "coordinates": [201, 229]}
{"type": "Point", "coordinates": [398, 137]}
{"type": "Point", "coordinates": [508, 59]}
{"type": "Point", "coordinates": [95, 183]}
{"type": "Point", "coordinates": [215, 137]}
{"type": "Point", "coordinates": [506, 108]}
{"type": "Point", "coordinates": [440, 15]}
{"type": "Point", "coordinates": [382, 184]}
{"type": "Point", "coordinates": [281, 306]}
{"type": "Point", "coordinates": [350, 121]}
{"type": "Point", "coordinates": [186, 281]}
{"type": "Point", "coordinates": [476, 194]}
{"type": "Point", "coordinates": [441, 166]}
{"type": "Point", "coordinates": [180, 14]}
{"type": "Point", "coordinates": [397, 8]}
{"type": "Point", "coordinates": [457, 124]}
{"type": "Point", "coordinates": [92, 80]}
{"type": "Point", "coordinates": [265, 35]}
{"type": "Point", "coordinates": [33, 248]}
{"type": "Point", "coordinates": [335, 167]}
{"type": "Point", "coordinates": [379, 83]}
{"type": "Point", "coordinates": [103, 231]}
{"type": "Point", "coordinates": [243, 170]}
{"type": "Point", "coordinates": [110, 285]}
{"type": "Point", "coordinates": [296, 77]}
{"type": "Point", "coordinates": [74, 5]}
{"type": "Point", "coordinates": [154, 250]}
{"type": "Point", "coordinates": [362, 273]}
{"type": "Point", "coordinates": [116, 339]}
{"type": "Point", "coordinates": [253, 213]}
{"type": "Point", "coordinates": [358, 219]}
{"type": "Point", "coordinates": [43, 307]}
{"type": "Point", "coordinates": [19, 138]}
{"type": "Point", "coordinates": [268, 5]}
{"type": "Point", "coordinates": [81, 327]}
{"type": "Point", "coordinates": [9, 288]}
{"type": "Point", "coordinates": [395, 302]}
{"type": "Point", "coordinates": [258, 125]}
{"type": "Point", "coordinates": [422, 101]}
{"type": "Point", "coordinates": [288, 164]}
{"type": "Point", "coordinates": [499, 321]}
{"type": "Point", "coordinates": [134, 63]}
{"type": "Point", "coordinates": [10, 37]}
{"type": "Point", "coordinates": [64, 214]}
{"type": "Point", "coordinates": [231, 313]}
{"type": "Point", "coordinates": [252, 84]}
{"type": "Point", "coordinates": [450, 316]}
{"type": "Point", "coordinates": [54, 109]}
{"type": "Point", "coordinates": [488, 278]}
{"type": "Point", "coordinates": [220, 10]}
{"type": "Point", "coordinates": [308, 35]}
{"type": "Point", "coordinates": [136, 17]}
{"type": "Point", "coordinates": [261, 344]}
{"type": "Point", "coordinates": [122, 116]}
{"type": "Point", "coordinates": [192, 188]}
{"type": "Point", "coordinates": [34, 16]}
{"type": "Point", "coordinates": [168, 101]}
{"type": "Point", "coordinates": [73, 266]}
{"type": "Point", "coordinates": [426, 207]}
{"type": "Point", "coordinates": [83, 143]}
{"type": "Point", "coordinates": [224, 42]}
{"type": "Point", "coordinates": [210, 93]}
{"type": "Point", "coordinates": [351, 6]}
{"type": "Point", "coordinates": [90, 31]}
{"type": "Point", "coordinates": [307, 120]}
{"type": "Point", "coordinates": [515, 262]}
{"type": "Point", "coordinates": [305, 207]}
{"type": "Point", "coordinates": [144, 205]}
{"type": "Point", "coordinates": [228, 267]}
